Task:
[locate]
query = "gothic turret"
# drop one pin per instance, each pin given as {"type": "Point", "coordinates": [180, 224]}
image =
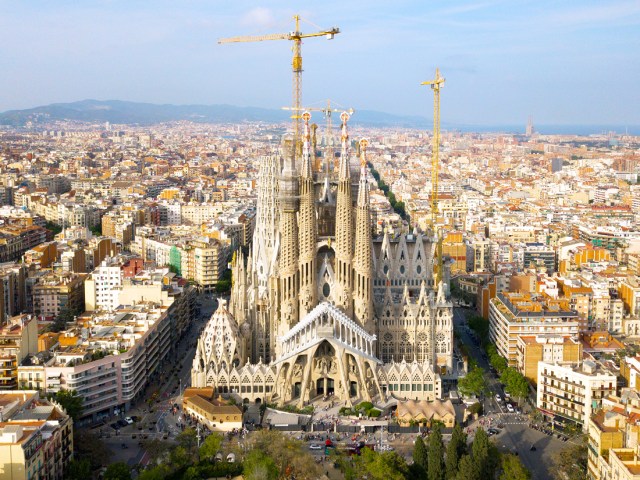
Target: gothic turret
{"type": "Point", "coordinates": [266, 221]}
{"type": "Point", "coordinates": [344, 226]}
{"type": "Point", "coordinates": [362, 258]}
{"type": "Point", "coordinates": [288, 264]}
{"type": "Point", "coordinates": [307, 233]}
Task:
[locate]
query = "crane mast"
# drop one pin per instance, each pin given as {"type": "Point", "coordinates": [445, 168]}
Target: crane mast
{"type": "Point", "coordinates": [436, 84]}
{"type": "Point", "coordinates": [296, 37]}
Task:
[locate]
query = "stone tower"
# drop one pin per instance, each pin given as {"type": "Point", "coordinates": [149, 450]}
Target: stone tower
{"type": "Point", "coordinates": [264, 259]}
{"type": "Point", "coordinates": [288, 260]}
{"type": "Point", "coordinates": [362, 257]}
{"type": "Point", "coordinates": [344, 226]}
{"type": "Point", "coordinates": [307, 234]}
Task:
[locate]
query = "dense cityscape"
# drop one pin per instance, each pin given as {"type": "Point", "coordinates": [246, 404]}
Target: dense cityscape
{"type": "Point", "coordinates": [203, 292]}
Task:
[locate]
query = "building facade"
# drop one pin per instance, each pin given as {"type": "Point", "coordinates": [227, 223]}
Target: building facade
{"type": "Point", "coordinates": [570, 393]}
{"type": "Point", "coordinates": [515, 314]}
{"type": "Point", "coordinates": [319, 307]}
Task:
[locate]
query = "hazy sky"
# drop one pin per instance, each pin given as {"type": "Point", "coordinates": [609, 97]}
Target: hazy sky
{"type": "Point", "coordinates": [563, 62]}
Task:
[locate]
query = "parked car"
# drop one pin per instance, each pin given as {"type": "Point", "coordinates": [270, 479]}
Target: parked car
{"type": "Point", "coordinates": [129, 420]}
{"type": "Point", "coordinates": [493, 431]}
{"type": "Point", "coordinates": [315, 446]}
{"type": "Point", "coordinates": [498, 398]}
{"type": "Point", "coordinates": [122, 423]}
{"type": "Point", "coordinates": [510, 408]}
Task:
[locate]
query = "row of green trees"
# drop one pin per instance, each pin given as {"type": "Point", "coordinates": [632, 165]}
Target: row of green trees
{"type": "Point", "coordinates": [271, 456]}
{"type": "Point", "coordinates": [398, 207]}
{"type": "Point", "coordinates": [433, 461]}
{"type": "Point", "coordinates": [515, 384]}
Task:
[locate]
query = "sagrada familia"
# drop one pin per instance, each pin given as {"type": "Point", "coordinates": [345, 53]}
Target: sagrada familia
{"type": "Point", "coordinates": [319, 306]}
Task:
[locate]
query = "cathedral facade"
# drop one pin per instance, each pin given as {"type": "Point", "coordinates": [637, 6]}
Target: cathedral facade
{"type": "Point", "coordinates": [318, 306]}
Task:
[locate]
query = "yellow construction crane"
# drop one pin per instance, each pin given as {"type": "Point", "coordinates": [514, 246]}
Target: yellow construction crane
{"type": "Point", "coordinates": [436, 84]}
{"type": "Point", "coordinates": [296, 37]}
{"type": "Point", "coordinates": [327, 112]}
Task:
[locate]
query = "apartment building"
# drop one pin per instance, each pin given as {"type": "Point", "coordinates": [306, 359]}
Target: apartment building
{"type": "Point", "coordinates": [36, 437]}
{"type": "Point", "coordinates": [569, 394]}
{"type": "Point", "coordinates": [208, 260]}
{"type": "Point", "coordinates": [18, 339]}
{"type": "Point", "coordinates": [615, 428]}
{"type": "Point", "coordinates": [514, 314]}
{"type": "Point", "coordinates": [630, 370]}
{"type": "Point", "coordinates": [58, 292]}
{"type": "Point", "coordinates": [98, 249]}
{"type": "Point", "coordinates": [102, 286]}
{"type": "Point", "coordinates": [109, 357]}
{"type": "Point", "coordinates": [117, 282]}
{"type": "Point", "coordinates": [12, 289]}
{"type": "Point", "coordinates": [539, 254]}
{"type": "Point", "coordinates": [15, 240]}
{"type": "Point", "coordinates": [629, 292]}
{"type": "Point", "coordinates": [548, 348]}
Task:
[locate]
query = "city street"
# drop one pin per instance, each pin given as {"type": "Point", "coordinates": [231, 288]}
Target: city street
{"type": "Point", "coordinates": [159, 422]}
{"type": "Point", "coordinates": [516, 436]}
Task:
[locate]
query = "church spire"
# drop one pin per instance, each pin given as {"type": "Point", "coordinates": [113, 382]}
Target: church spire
{"type": "Point", "coordinates": [308, 231]}
{"type": "Point", "coordinates": [288, 264]}
{"type": "Point", "coordinates": [362, 261]}
{"type": "Point", "coordinates": [265, 233]}
{"type": "Point", "coordinates": [344, 225]}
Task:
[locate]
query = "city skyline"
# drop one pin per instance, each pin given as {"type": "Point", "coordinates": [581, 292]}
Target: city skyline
{"type": "Point", "coordinates": [503, 62]}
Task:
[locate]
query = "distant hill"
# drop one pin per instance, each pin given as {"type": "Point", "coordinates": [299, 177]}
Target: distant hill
{"type": "Point", "coordinates": [120, 112]}
{"type": "Point", "coordinates": [134, 113]}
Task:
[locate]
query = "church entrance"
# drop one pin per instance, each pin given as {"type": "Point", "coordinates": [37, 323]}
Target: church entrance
{"type": "Point", "coordinates": [330, 387]}
{"type": "Point", "coordinates": [320, 386]}
{"type": "Point", "coordinates": [296, 389]}
{"type": "Point", "coordinates": [324, 386]}
{"type": "Point", "coordinates": [353, 389]}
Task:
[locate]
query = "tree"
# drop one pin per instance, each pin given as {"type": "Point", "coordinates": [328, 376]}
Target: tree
{"type": "Point", "coordinates": [117, 471]}
{"type": "Point", "coordinates": [384, 466]}
{"type": "Point", "coordinates": [159, 472]}
{"type": "Point", "coordinates": [475, 409]}
{"type": "Point", "coordinates": [515, 383]}
{"type": "Point", "coordinates": [467, 470]}
{"type": "Point", "coordinates": [435, 468]}
{"type": "Point", "coordinates": [210, 447]}
{"type": "Point", "coordinates": [96, 230]}
{"type": "Point", "coordinates": [89, 446]}
{"type": "Point", "coordinates": [64, 317]}
{"type": "Point", "coordinates": [571, 463]}
{"type": "Point", "coordinates": [420, 458]}
{"type": "Point", "coordinates": [481, 326]}
{"type": "Point", "coordinates": [156, 449]}
{"type": "Point", "coordinates": [54, 227]}
{"type": "Point", "coordinates": [179, 457]}
{"type": "Point", "coordinates": [472, 383]}
{"type": "Point", "coordinates": [188, 440]}
{"type": "Point", "coordinates": [456, 448]}
{"type": "Point", "coordinates": [289, 455]}
{"type": "Point", "coordinates": [71, 402]}
{"type": "Point", "coordinates": [259, 466]}
{"type": "Point", "coordinates": [79, 469]}
{"type": "Point", "coordinates": [512, 468]}
{"type": "Point", "coordinates": [480, 453]}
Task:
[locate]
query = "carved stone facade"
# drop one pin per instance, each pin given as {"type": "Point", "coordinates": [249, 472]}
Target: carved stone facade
{"type": "Point", "coordinates": [316, 312]}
